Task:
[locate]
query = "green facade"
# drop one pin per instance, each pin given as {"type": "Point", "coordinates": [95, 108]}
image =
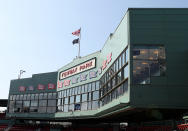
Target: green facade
{"type": "Point", "coordinates": [139, 28]}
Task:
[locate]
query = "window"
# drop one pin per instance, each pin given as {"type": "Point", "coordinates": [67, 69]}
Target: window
{"type": "Point", "coordinates": [66, 100]}
{"type": "Point", "coordinates": [42, 110]}
{"type": "Point", "coordinates": [42, 103]}
{"type": "Point", "coordinates": [77, 98]}
{"type": "Point", "coordinates": [32, 96]}
{"type": "Point", "coordinates": [93, 86]}
{"type": "Point", "coordinates": [148, 61]}
{"type": "Point", "coordinates": [34, 103]}
{"type": "Point", "coordinates": [95, 95]}
{"type": "Point", "coordinates": [49, 95]}
{"type": "Point", "coordinates": [40, 95]}
{"type": "Point", "coordinates": [51, 102]}
{"type": "Point", "coordinates": [71, 99]}
{"type": "Point", "coordinates": [45, 96]}
{"type": "Point", "coordinates": [26, 103]}
{"type": "Point", "coordinates": [65, 108]}
{"type": "Point", "coordinates": [84, 97]}
{"type": "Point", "coordinates": [97, 85]}
{"type": "Point", "coordinates": [36, 96]}
{"type": "Point", "coordinates": [94, 105]}
{"type": "Point", "coordinates": [84, 106]}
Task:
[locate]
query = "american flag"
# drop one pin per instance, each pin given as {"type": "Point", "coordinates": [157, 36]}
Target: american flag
{"type": "Point", "coordinates": [77, 32]}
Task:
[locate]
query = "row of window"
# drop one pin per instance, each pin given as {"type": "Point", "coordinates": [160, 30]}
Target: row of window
{"type": "Point", "coordinates": [33, 106]}
{"type": "Point", "coordinates": [83, 97]}
{"type": "Point", "coordinates": [113, 77]}
{"type": "Point", "coordinates": [148, 61]}
{"type": "Point", "coordinates": [115, 67]}
{"type": "Point", "coordinates": [114, 94]}
{"type": "Point", "coordinates": [79, 89]}
{"type": "Point", "coordinates": [90, 105]}
{"type": "Point", "coordinates": [34, 96]}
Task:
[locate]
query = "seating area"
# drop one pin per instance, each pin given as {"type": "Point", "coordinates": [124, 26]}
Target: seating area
{"type": "Point", "coordinates": [150, 128]}
{"type": "Point", "coordinates": [182, 127]}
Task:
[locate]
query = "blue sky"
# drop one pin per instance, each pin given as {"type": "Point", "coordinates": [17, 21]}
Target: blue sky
{"type": "Point", "coordinates": [35, 35]}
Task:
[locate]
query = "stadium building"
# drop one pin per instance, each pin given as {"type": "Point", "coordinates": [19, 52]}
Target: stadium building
{"type": "Point", "coordinates": [139, 75]}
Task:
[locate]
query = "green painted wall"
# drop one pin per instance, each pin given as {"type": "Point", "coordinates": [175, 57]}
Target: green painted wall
{"type": "Point", "coordinates": [168, 27]}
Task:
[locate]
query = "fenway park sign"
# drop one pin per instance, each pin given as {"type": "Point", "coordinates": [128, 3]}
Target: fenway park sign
{"type": "Point", "coordinates": [87, 65]}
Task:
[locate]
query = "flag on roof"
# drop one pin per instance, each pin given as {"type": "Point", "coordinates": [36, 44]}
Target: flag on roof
{"type": "Point", "coordinates": [75, 41]}
{"type": "Point", "coordinates": [77, 32]}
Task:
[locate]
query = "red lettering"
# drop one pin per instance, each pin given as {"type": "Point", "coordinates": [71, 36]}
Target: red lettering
{"type": "Point", "coordinates": [109, 58]}
{"type": "Point", "coordinates": [66, 82]}
{"type": "Point", "coordinates": [104, 65]}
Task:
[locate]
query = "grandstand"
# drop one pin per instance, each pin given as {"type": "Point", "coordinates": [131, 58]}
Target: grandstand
{"type": "Point", "coordinates": [138, 78]}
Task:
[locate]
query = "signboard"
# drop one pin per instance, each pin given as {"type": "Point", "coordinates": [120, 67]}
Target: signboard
{"type": "Point", "coordinates": [41, 87]}
{"type": "Point", "coordinates": [90, 64]}
{"type": "Point", "coordinates": [51, 86]}
{"type": "Point", "coordinates": [22, 88]}
{"type": "Point", "coordinates": [30, 88]}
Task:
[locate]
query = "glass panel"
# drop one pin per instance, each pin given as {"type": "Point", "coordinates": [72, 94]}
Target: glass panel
{"type": "Point", "coordinates": [71, 107]}
{"type": "Point", "coordinates": [59, 94]}
{"type": "Point", "coordinates": [65, 108]}
{"type": "Point", "coordinates": [71, 99]}
{"type": "Point", "coordinates": [28, 96]}
{"type": "Point", "coordinates": [17, 97]}
{"type": "Point", "coordinates": [73, 91]}
{"type": "Point", "coordinates": [123, 58]}
{"type": "Point", "coordinates": [89, 105]}
{"type": "Point", "coordinates": [68, 92]}
{"type": "Point", "coordinates": [94, 105]}
{"type": "Point", "coordinates": [42, 102]}
{"type": "Point", "coordinates": [66, 100]}
{"type": "Point", "coordinates": [79, 89]}
{"type": "Point", "coordinates": [41, 96]}
{"type": "Point", "coordinates": [141, 72]}
{"type": "Point", "coordinates": [45, 96]}
{"type": "Point", "coordinates": [154, 68]}
{"type": "Point", "coordinates": [84, 97]}
{"type": "Point", "coordinates": [95, 95]}
{"type": "Point", "coordinates": [77, 107]}
{"type": "Point", "coordinates": [83, 89]}
{"type": "Point", "coordinates": [97, 85]}
{"type": "Point", "coordinates": [21, 97]}
{"type": "Point", "coordinates": [117, 67]}
{"type": "Point", "coordinates": [59, 102]}
{"type": "Point", "coordinates": [51, 102]}
{"type": "Point", "coordinates": [34, 103]}
{"type": "Point", "coordinates": [119, 62]}
{"type": "Point", "coordinates": [51, 109]}
{"type": "Point", "coordinates": [26, 103]}
{"type": "Point", "coordinates": [54, 95]}
{"type": "Point", "coordinates": [33, 109]}
{"type": "Point", "coordinates": [93, 86]}
{"type": "Point", "coordinates": [84, 106]}
{"type": "Point", "coordinates": [125, 86]}
{"type": "Point", "coordinates": [65, 93]}
{"type": "Point", "coordinates": [36, 96]}
{"type": "Point", "coordinates": [89, 87]}
{"type": "Point", "coordinates": [18, 103]}
{"type": "Point", "coordinates": [77, 98]}
{"type": "Point", "coordinates": [126, 73]}
{"type": "Point", "coordinates": [89, 96]}
{"type": "Point", "coordinates": [42, 109]}
{"type": "Point", "coordinates": [127, 55]}
{"type": "Point", "coordinates": [118, 77]}
{"type": "Point", "coordinates": [32, 96]}
{"type": "Point", "coordinates": [49, 95]}
{"type": "Point", "coordinates": [76, 91]}
{"type": "Point", "coordinates": [62, 94]}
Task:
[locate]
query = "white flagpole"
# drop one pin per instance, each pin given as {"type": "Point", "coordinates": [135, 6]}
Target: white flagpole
{"type": "Point", "coordinates": [79, 43]}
